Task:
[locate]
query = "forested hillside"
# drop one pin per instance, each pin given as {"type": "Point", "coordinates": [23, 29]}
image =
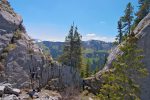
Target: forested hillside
{"type": "Point", "coordinates": [75, 69]}
{"type": "Point", "coordinates": [95, 51]}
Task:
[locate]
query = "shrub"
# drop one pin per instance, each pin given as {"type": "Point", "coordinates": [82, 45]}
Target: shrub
{"type": "Point", "coordinates": [3, 56]}
{"type": "Point", "coordinates": [31, 51]}
{"type": "Point", "coordinates": [10, 47]}
{"type": "Point", "coordinates": [18, 35]}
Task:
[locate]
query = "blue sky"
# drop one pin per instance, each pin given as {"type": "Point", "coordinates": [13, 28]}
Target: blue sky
{"type": "Point", "coordinates": [51, 19]}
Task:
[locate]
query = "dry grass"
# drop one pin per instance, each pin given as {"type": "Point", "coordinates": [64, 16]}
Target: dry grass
{"type": "Point", "coordinates": [71, 93]}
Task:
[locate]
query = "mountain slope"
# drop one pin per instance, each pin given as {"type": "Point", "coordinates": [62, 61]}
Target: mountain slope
{"type": "Point", "coordinates": [142, 33]}
{"type": "Point", "coordinates": [94, 50]}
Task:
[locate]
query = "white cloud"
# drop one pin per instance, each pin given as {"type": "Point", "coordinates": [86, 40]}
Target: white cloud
{"type": "Point", "coordinates": [58, 34]}
{"type": "Point", "coordinates": [93, 36]}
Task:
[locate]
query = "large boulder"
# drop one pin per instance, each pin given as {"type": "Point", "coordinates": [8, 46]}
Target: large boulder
{"type": "Point", "coordinates": [6, 88]}
{"type": "Point", "coordinates": [10, 90]}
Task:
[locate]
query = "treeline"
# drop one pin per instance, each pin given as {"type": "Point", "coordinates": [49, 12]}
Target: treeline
{"type": "Point", "coordinates": [120, 81]}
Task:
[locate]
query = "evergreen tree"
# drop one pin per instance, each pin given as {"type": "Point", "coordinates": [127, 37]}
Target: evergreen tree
{"type": "Point", "coordinates": [128, 19]}
{"type": "Point", "coordinates": [72, 53]}
{"type": "Point", "coordinates": [120, 35]}
{"type": "Point", "coordinates": [144, 9]}
{"type": "Point", "coordinates": [120, 82]}
{"type": "Point", "coordinates": [66, 58]}
{"type": "Point", "coordinates": [96, 70]}
{"type": "Point", "coordinates": [77, 50]}
{"type": "Point", "coordinates": [87, 70]}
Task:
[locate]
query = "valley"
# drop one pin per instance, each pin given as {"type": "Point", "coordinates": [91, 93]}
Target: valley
{"type": "Point", "coordinates": [84, 66]}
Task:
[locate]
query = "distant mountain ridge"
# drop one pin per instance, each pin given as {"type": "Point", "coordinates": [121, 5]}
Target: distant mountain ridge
{"type": "Point", "coordinates": [95, 45]}
{"type": "Point", "coordinates": [94, 50]}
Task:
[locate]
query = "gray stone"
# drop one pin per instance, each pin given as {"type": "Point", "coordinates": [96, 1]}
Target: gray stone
{"type": "Point", "coordinates": [9, 90]}
{"type": "Point", "coordinates": [11, 97]}
{"type": "Point", "coordinates": [8, 21]}
{"type": "Point", "coordinates": [2, 90]}
{"type": "Point", "coordinates": [143, 35]}
{"type": "Point", "coordinates": [20, 64]}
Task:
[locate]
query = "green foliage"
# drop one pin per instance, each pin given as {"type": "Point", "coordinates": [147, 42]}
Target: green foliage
{"type": "Point", "coordinates": [128, 19]}
{"type": "Point", "coordinates": [144, 9]}
{"type": "Point", "coordinates": [4, 55]}
{"type": "Point", "coordinates": [45, 49]}
{"type": "Point", "coordinates": [120, 82]}
{"type": "Point", "coordinates": [17, 35]}
{"type": "Point", "coordinates": [72, 53]}
{"type": "Point", "coordinates": [5, 52]}
{"type": "Point", "coordinates": [119, 37]}
{"type": "Point", "coordinates": [9, 48]}
{"type": "Point", "coordinates": [125, 24]}
{"type": "Point", "coordinates": [96, 70]}
{"type": "Point", "coordinates": [82, 73]}
{"type": "Point", "coordinates": [87, 70]}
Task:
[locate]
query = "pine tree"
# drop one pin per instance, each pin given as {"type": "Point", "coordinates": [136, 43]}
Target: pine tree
{"type": "Point", "coordinates": [72, 53]}
{"type": "Point", "coordinates": [96, 70]}
{"type": "Point", "coordinates": [128, 19]}
{"type": "Point", "coordinates": [120, 82]}
{"type": "Point", "coordinates": [77, 49]}
{"type": "Point", "coordinates": [66, 58]}
{"type": "Point", "coordinates": [87, 69]}
{"type": "Point", "coordinates": [144, 9]}
{"type": "Point", "coordinates": [120, 35]}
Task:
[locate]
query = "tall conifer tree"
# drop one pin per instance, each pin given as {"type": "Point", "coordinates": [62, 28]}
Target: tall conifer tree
{"type": "Point", "coordinates": [72, 53]}
{"type": "Point", "coordinates": [120, 82]}
{"type": "Point", "coordinates": [128, 19]}
{"type": "Point", "coordinates": [144, 9]}
{"type": "Point", "coordinates": [120, 31]}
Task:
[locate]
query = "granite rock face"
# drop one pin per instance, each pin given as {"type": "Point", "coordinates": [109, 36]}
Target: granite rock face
{"type": "Point", "coordinates": [142, 32]}
{"type": "Point", "coordinates": [143, 35]}
{"type": "Point", "coordinates": [25, 64]}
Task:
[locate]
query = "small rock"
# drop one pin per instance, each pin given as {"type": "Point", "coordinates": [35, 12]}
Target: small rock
{"type": "Point", "coordinates": [11, 97]}
{"type": "Point", "coordinates": [10, 90]}
{"type": "Point", "coordinates": [2, 90]}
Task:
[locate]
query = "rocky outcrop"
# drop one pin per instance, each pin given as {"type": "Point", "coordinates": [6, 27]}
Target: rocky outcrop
{"type": "Point", "coordinates": [25, 65]}
{"type": "Point", "coordinates": [9, 23]}
{"type": "Point", "coordinates": [142, 32]}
